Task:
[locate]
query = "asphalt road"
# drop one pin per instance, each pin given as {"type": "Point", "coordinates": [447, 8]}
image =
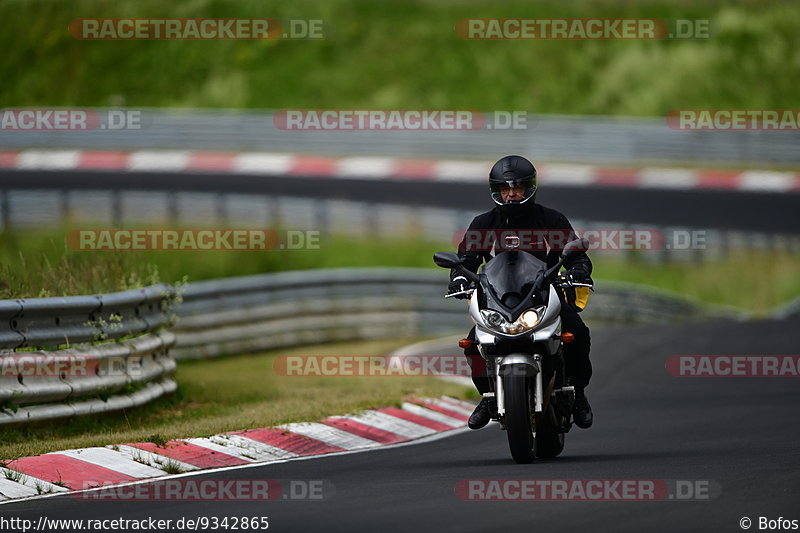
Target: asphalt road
{"type": "Point", "coordinates": [719, 209]}
{"type": "Point", "coordinates": [740, 435]}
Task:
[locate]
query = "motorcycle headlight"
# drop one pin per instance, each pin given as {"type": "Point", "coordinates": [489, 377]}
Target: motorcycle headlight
{"type": "Point", "coordinates": [493, 318]}
{"type": "Point", "coordinates": [527, 320]}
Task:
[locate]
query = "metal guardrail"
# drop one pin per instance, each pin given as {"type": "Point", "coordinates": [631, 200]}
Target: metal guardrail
{"type": "Point", "coordinates": [269, 311]}
{"type": "Point", "coordinates": [240, 315]}
{"type": "Point", "coordinates": [596, 139]}
{"type": "Point", "coordinates": [309, 307]}
{"type": "Point", "coordinates": [84, 378]}
{"type": "Point", "coordinates": [789, 310]}
{"type": "Point", "coordinates": [75, 319]}
{"type": "Point", "coordinates": [87, 380]}
{"type": "Point", "coordinates": [373, 220]}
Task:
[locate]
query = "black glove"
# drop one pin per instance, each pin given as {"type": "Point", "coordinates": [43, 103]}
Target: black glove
{"type": "Point", "coordinates": [458, 284]}
{"type": "Point", "coordinates": [578, 275]}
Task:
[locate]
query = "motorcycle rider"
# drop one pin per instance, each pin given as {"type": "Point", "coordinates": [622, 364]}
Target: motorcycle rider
{"type": "Point", "coordinates": [513, 185]}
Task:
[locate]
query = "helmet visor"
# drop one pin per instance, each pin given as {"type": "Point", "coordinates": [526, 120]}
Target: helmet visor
{"type": "Point", "coordinates": [513, 191]}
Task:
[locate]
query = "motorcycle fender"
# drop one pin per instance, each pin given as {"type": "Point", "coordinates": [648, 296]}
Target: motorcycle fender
{"type": "Point", "coordinates": [518, 365]}
{"type": "Point", "coordinates": [484, 337]}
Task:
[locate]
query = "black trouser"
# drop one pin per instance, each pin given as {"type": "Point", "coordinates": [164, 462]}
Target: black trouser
{"type": "Point", "coordinates": [576, 353]}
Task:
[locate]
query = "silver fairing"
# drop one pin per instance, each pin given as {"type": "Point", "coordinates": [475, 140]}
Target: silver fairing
{"type": "Point", "coordinates": [548, 327]}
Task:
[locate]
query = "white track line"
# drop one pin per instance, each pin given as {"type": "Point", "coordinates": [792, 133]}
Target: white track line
{"type": "Point", "coordinates": [241, 447]}
{"type": "Point", "coordinates": [153, 459]}
{"type": "Point", "coordinates": [460, 171]}
{"type": "Point", "coordinates": [668, 178]}
{"type": "Point", "coordinates": [364, 167]}
{"type": "Point", "coordinates": [263, 163]}
{"type": "Point", "coordinates": [25, 487]}
{"type": "Point", "coordinates": [461, 403]}
{"type": "Point", "coordinates": [761, 180]}
{"type": "Point", "coordinates": [449, 406]}
{"type": "Point", "coordinates": [390, 423]}
{"type": "Point", "coordinates": [168, 161]}
{"type": "Point", "coordinates": [118, 462]}
{"type": "Point", "coordinates": [436, 416]}
{"type": "Point", "coordinates": [48, 159]}
{"type": "Point", "coordinates": [424, 440]}
{"type": "Point", "coordinates": [330, 435]}
{"type": "Point", "coordinates": [574, 175]}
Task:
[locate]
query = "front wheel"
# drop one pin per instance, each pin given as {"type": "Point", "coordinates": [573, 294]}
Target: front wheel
{"type": "Point", "coordinates": [518, 418]}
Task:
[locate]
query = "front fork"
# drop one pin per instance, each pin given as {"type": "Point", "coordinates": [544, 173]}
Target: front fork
{"type": "Point", "coordinates": [562, 396]}
{"type": "Point", "coordinates": [538, 385]}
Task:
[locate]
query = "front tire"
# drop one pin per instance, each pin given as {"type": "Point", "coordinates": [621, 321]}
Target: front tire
{"type": "Point", "coordinates": [518, 418]}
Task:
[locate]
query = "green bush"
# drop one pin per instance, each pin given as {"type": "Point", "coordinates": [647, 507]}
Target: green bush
{"type": "Point", "coordinates": [405, 54]}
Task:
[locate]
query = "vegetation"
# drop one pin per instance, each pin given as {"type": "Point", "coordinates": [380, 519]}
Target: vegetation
{"type": "Point", "coordinates": [38, 263]}
{"type": "Point", "coordinates": [228, 394]}
{"type": "Point", "coordinates": [405, 54]}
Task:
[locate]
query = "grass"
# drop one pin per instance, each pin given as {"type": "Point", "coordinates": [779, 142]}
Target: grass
{"type": "Point", "coordinates": [171, 467]}
{"type": "Point", "coordinates": [15, 476]}
{"type": "Point", "coordinates": [167, 465]}
{"type": "Point", "coordinates": [748, 279]}
{"type": "Point", "coordinates": [37, 263]}
{"type": "Point", "coordinates": [405, 54]}
{"type": "Point", "coordinates": [232, 393]}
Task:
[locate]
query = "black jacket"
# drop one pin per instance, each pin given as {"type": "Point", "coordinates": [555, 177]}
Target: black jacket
{"type": "Point", "coordinates": [543, 233]}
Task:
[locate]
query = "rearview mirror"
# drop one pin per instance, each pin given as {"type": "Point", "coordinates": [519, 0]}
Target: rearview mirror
{"type": "Point", "coordinates": [447, 259]}
{"type": "Point", "coordinates": [575, 247]}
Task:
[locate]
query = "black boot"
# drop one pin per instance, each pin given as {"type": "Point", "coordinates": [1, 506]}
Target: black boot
{"type": "Point", "coordinates": [482, 414]}
{"type": "Point", "coordinates": [581, 411]}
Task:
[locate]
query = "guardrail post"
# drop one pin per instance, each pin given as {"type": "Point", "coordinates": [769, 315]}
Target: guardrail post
{"type": "Point", "coordinates": [173, 214]}
{"type": "Point", "coordinates": [221, 207]}
{"type": "Point", "coordinates": [322, 216]}
{"type": "Point", "coordinates": [277, 213]}
{"type": "Point", "coordinates": [63, 204]}
{"type": "Point", "coordinates": [370, 219]}
{"type": "Point", "coordinates": [6, 215]}
{"type": "Point", "coordinates": [116, 208]}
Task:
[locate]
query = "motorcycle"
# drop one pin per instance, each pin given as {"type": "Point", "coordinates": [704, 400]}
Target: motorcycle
{"type": "Point", "coordinates": [516, 310]}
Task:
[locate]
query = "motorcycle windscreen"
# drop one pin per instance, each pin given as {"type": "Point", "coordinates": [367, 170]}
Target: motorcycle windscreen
{"type": "Point", "coordinates": [511, 276]}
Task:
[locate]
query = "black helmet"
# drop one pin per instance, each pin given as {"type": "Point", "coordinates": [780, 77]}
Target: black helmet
{"type": "Point", "coordinates": [512, 171]}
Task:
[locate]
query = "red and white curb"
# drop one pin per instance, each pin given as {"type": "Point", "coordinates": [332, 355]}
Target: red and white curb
{"type": "Point", "coordinates": [84, 468]}
{"type": "Point", "coordinates": [388, 168]}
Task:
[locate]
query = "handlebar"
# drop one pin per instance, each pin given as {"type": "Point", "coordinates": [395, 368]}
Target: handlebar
{"type": "Point", "coordinates": [466, 292]}
{"type": "Point", "coordinates": [558, 281]}
{"type": "Point", "coordinates": [564, 281]}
